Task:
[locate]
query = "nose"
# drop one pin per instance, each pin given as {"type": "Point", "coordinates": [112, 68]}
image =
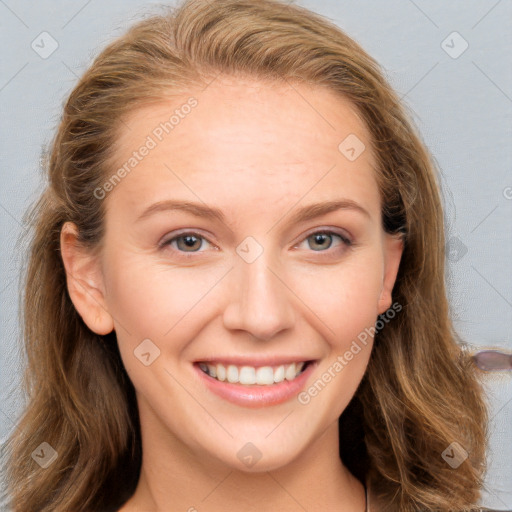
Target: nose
{"type": "Point", "coordinates": [259, 300]}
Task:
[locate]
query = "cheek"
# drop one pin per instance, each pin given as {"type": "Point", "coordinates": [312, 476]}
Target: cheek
{"type": "Point", "coordinates": [345, 297]}
{"type": "Point", "coordinates": [156, 303]}
{"type": "Point", "coordinates": [150, 300]}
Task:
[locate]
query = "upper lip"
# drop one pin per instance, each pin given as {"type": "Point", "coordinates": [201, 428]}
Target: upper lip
{"type": "Point", "coordinates": [255, 361]}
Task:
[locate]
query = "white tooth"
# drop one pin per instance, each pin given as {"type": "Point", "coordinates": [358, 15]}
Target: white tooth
{"type": "Point", "coordinates": [232, 374]}
{"type": "Point", "coordinates": [221, 372]}
{"type": "Point", "coordinates": [290, 372]}
{"type": "Point", "coordinates": [279, 374]}
{"type": "Point", "coordinates": [265, 376]}
{"type": "Point", "coordinates": [247, 375]}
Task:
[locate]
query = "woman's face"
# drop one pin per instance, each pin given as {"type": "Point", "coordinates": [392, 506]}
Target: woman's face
{"type": "Point", "coordinates": [252, 269]}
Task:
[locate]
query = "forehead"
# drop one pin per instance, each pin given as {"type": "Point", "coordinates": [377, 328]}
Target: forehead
{"type": "Point", "coordinates": [253, 137]}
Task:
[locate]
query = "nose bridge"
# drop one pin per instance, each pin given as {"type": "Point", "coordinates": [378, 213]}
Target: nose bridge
{"type": "Point", "coordinates": [260, 302]}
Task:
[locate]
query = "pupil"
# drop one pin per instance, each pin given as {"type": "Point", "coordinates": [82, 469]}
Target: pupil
{"type": "Point", "coordinates": [319, 239]}
{"type": "Point", "coordinates": [190, 241]}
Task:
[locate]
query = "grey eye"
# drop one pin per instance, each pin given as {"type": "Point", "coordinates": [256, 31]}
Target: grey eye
{"type": "Point", "coordinates": [321, 240]}
{"type": "Point", "coordinates": [191, 242]}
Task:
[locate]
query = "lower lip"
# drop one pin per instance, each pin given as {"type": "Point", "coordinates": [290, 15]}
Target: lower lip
{"type": "Point", "coordinates": [257, 395]}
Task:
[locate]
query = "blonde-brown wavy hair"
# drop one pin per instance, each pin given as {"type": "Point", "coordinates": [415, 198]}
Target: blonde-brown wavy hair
{"type": "Point", "coordinates": [420, 392]}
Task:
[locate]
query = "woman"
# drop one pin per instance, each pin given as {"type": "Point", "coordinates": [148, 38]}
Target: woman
{"type": "Point", "coordinates": [235, 295]}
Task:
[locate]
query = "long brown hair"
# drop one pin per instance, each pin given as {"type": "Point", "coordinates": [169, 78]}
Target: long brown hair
{"type": "Point", "coordinates": [420, 392]}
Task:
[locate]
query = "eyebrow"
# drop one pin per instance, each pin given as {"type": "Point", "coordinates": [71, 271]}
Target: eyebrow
{"type": "Point", "coordinates": [305, 213]}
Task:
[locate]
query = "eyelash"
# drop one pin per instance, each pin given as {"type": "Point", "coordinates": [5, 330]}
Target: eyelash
{"type": "Point", "coordinates": [346, 242]}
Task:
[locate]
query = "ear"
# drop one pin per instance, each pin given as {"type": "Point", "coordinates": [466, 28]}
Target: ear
{"type": "Point", "coordinates": [84, 281]}
{"type": "Point", "coordinates": [393, 249]}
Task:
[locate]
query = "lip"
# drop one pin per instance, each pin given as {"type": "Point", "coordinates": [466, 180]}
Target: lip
{"type": "Point", "coordinates": [255, 396]}
{"type": "Point", "coordinates": [256, 361]}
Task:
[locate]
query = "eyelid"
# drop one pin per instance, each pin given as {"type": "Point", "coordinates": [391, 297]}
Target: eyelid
{"type": "Point", "coordinates": [327, 230]}
{"type": "Point", "coordinates": [175, 234]}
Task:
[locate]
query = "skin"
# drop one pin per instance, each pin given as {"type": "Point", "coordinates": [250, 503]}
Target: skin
{"type": "Point", "coordinates": [258, 152]}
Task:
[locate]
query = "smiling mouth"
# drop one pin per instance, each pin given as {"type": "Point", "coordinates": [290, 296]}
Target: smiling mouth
{"type": "Point", "coordinates": [250, 375]}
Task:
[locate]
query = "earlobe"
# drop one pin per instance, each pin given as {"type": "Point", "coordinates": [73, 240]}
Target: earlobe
{"type": "Point", "coordinates": [393, 249]}
{"type": "Point", "coordinates": [84, 281]}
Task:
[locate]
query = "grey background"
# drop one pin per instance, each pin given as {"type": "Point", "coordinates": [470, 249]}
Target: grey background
{"type": "Point", "coordinates": [462, 106]}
